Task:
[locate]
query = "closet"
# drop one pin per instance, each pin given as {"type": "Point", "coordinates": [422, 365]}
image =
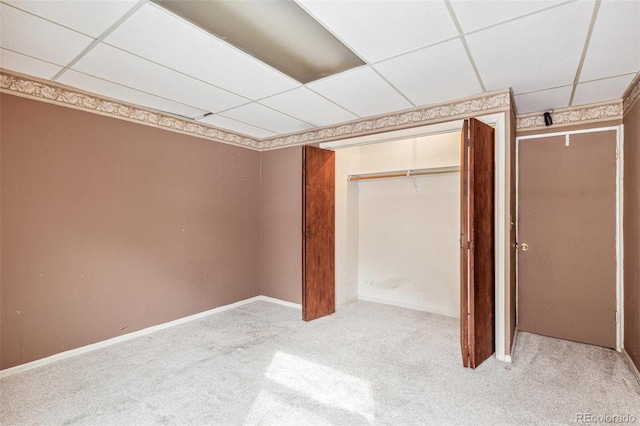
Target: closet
{"type": "Point", "coordinates": [402, 218]}
{"type": "Point", "coordinates": [409, 232]}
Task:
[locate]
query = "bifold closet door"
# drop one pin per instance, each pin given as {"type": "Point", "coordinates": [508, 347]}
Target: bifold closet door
{"type": "Point", "coordinates": [477, 243]}
{"type": "Point", "coordinates": [318, 229]}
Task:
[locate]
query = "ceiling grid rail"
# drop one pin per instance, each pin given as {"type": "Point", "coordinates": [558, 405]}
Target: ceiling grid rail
{"type": "Point", "coordinates": [100, 39]}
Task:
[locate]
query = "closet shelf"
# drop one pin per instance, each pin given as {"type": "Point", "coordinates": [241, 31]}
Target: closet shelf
{"type": "Point", "coordinates": [405, 173]}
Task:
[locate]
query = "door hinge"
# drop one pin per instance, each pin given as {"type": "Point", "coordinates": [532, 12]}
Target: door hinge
{"type": "Point", "coordinates": [617, 153]}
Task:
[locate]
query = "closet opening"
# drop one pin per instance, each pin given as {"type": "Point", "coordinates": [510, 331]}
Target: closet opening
{"type": "Point", "coordinates": [397, 221]}
{"type": "Point", "coordinates": [403, 222]}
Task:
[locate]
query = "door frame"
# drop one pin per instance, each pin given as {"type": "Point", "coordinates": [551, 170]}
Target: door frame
{"type": "Point", "coordinates": [502, 202]}
{"type": "Point", "coordinates": [619, 219]}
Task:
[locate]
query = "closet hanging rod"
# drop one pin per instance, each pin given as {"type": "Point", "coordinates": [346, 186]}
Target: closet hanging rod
{"type": "Point", "coordinates": [405, 173]}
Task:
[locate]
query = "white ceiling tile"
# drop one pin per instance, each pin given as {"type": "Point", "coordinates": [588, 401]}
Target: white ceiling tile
{"type": "Point", "coordinates": [26, 65]}
{"type": "Point", "coordinates": [128, 70]}
{"type": "Point", "coordinates": [116, 91]}
{"type": "Point", "coordinates": [530, 45]}
{"type": "Point", "coordinates": [361, 91]}
{"type": "Point", "coordinates": [602, 90]}
{"type": "Point", "coordinates": [614, 48]}
{"type": "Point", "coordinates": [38, 38]}
{"type": "Point", "coordinates": [236, 126]}
{"type": "Point", "coordinates": [535, 52]}
{"type": "Point", "coordinates": [475, 14]}
{"type": "Point", "coordinates": [266, 118]}
{"type": "Point", "coordinates": [544, 100]}
{"type": "Point", "coordinates": [377, 30]}
{"type": "Point", "coordinates": [434, 74]}
{"type": "Point", "coordinates": [162, 37]}
{"type": "Point", "coordinates": [308, 106]}
{"type": "Point", "coordinates": [88, 17]}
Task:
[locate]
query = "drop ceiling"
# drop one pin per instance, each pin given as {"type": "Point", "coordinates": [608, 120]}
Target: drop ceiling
{"type": "Point", "coordinates": [553, 54]}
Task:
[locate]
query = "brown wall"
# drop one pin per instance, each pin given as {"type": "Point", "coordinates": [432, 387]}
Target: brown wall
{"type": "Point", "coordinates": [109, 227]}
{"type": "Point", "coordinates": [631, 224]}
{"type": "Point", "coordinates": [281, 224]}
{"type": "Point", "coordinates": [1, 127]}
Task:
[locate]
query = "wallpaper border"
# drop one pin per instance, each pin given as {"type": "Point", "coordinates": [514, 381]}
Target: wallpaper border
{"type": "Point", "coordinates": [575, 115]}
{"type": "Point", "coordinates": [632, 94]}
{"type": "Point", "coordinates": [485, 103]}
{"type": "Point", "coordinates": [56, 93]}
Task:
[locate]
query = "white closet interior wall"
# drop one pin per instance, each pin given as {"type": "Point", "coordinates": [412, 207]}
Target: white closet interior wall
{"type": "Point", "coordinates": [397, 239]}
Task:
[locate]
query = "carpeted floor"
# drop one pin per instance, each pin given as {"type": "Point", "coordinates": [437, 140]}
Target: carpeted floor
{"type": "Point", "coordinates": [367, 364]}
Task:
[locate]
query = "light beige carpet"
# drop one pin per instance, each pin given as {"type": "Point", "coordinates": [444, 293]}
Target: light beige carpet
{"type": "Point", "coordinates": [367, 364]}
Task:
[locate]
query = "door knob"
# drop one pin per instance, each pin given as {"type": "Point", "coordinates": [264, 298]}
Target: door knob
{"type": "Point", "coordinates": [524, 246]}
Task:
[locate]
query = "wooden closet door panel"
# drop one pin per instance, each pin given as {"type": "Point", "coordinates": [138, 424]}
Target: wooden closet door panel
{"type": "Point", "coordinates": [318, 233]}
{"type": "Point", "coordinates": [465, 260]}
{"type": "Point", "coordinates": [478, 243]}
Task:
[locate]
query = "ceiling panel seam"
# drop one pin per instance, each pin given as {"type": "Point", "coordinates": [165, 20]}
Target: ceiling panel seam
{"type": "Point", "coordinates": [287, 114]}
{"type": "Point", "coordinates": [59, 94]}
{"type": "Point", "coordinates": [101, 37]}
{"type": "Point", "coordinates": [56, 93]}
{"type": "Point", "coordinates": [516, 18]}
{"type": "Point", "coordinates": [313, 91]}
{"type": "Point", "coordinates": [222, 111]}
{"type": "Point", "coordinates": [249, 100]}
{"type": "Point", "coordinates": [248, 124]}
{"type": "Point", "coordinates": [592, 24]}
{"type": "Point", "coordinates": [279, 93]}
{"type": "Point", "coordinates": [454, 18]}
{"type": "Point", "coordinates": [543, 90]}
{"type": "Point", "coordinates": [45, 19]}
{"type": "Point", "coordinates": [393, 86]}
{"type": "Point", "coordinates": [495, 101]}
{"type": "Point", "coordinates": [226, 43]}
{"type": "Point", "coordinates": [340, 39]}
{"type": "Point", "coordinates": [410, 51]}
{"type": "Point", "coordinates": [335, 103]}
{"type": "Point", "coordinates": [30, 56]}
{"type": "Point", "coordinates": [142, 91]}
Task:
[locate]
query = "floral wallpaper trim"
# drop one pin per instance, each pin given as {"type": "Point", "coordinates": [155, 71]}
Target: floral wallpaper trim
{"type": "Point", "coordinates": [66, 96]}
{"type": "Point", "coordinates": [575, 115]}
{"type": "Point", "coordinates": [632, 95]}
{"type": "Point", "coordinates": [419, 116]}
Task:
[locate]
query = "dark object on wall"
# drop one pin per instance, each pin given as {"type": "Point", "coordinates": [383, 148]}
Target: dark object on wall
{"type": "Point", "coordinates": [548, 121]}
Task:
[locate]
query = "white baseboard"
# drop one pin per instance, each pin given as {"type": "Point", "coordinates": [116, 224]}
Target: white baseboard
{"type": "Point", "coordinates": [139, 333]}
{"type": "Point", "coordinates": [277, 301]}
{"type": "Point", "coordinates": [633, 367]}
{"type": "Point", "coordinates": [347, 301]}
{"type": "Point", "coordinates": [410, 306]}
